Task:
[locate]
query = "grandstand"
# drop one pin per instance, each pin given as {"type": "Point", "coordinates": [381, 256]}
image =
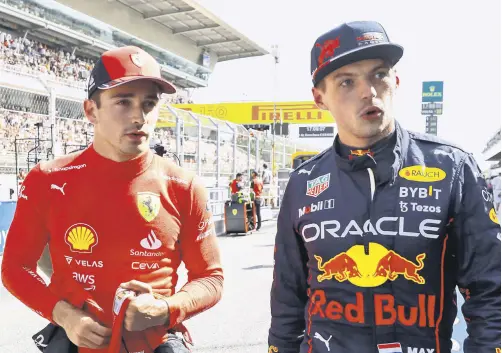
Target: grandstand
{"type": "Point", "coordinates": [47, 52]}
{"type": "Point", "coordinates": [491, 153]}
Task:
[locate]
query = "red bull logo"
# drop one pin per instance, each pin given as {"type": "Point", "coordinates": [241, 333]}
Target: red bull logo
{"type": "Point", "coordinates": [372, 269]}
{"type": "Point", "coordinates": [360, 153]}
{"type": "Point", "coordinates": [386, 312]}
{"type": "Point", "coordinates": [393, 264]}
{"type": "Point", "coordinates": [370, 38]}
{"type": "Point", "coordinates": [341, 267]}
{"type": "Point", "coordinates": [327, 49]}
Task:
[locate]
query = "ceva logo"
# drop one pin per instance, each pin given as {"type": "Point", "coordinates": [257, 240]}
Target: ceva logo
{"type": "Point", "coordinates": [422, 173]}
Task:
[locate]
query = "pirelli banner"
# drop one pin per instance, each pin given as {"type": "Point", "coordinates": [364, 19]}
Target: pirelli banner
{"type": "Point", "coordinates": [262, 112]}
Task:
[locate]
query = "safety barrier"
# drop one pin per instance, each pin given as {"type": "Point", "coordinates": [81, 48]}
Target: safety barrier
{"type": "Point", "coordinates": [6, 215]}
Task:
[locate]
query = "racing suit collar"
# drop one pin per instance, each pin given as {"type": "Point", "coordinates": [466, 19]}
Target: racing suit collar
{"type": "Point", "coordinates": [369, 160]}
{"type": "Point", "coordinates": [122, 170]}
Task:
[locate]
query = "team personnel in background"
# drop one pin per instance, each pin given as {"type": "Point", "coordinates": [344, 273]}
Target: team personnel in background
{"type": "Point", "coordinates": [266, 177]}
{"type": "Point", "coordinates": [116, 217]}
{"type": "Point", "coordinates": [375, 233]}
{"type": "Point", "coordinates": [237, 184]}
{"type": "Point", "coordinates": [257, 186]}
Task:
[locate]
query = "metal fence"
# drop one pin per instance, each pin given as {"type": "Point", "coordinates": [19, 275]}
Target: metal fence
{"type": "Point", "coordinates": [219, 149]}
{"type": "Point", "coordinates": [214, 149]}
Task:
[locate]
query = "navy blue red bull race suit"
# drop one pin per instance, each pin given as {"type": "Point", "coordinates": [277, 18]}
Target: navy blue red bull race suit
{"type": "Point", "coordinates": [370, 249]}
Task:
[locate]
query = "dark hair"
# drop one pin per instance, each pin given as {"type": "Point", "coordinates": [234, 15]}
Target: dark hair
{"type": "Point", "coordinates": [96, 97]}
{"type": "Point", "coordinates": [238, 175]}
{"type": "Point", "coordinates": [265, 165]}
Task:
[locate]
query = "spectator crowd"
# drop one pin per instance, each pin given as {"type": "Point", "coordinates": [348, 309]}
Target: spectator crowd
{"type": "Point", "coordinates": [101, 32]}
{"type": "Point", "coordinates": [24, 115]}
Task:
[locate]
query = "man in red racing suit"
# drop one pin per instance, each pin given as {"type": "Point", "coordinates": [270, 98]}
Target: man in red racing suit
{"type": "Point", "coordinates": [115, 215]}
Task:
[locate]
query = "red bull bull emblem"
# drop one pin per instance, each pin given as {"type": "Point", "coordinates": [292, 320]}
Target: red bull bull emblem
{"type": "Point", "coordinates": [361, 152]}
{"type": "Point", "coordinates": [327, 49]}
{"type": "Point", "coordinates": [316, 186]}
{"type": "Point", "coordinates": [341, 267]}
{"type": "Point", "coordinates": [370, 270]}
{"type": "Point", "coordinates": [393, 264]}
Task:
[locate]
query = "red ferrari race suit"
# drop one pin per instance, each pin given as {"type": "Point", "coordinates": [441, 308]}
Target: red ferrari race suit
{"type": "Point", "coordinates": [107, 223]}
{"type": "Point", "coordinates": [369, 251]}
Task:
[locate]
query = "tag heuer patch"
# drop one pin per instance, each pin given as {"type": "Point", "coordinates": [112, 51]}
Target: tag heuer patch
{"type": "Point", "coordinates": [316, 186]}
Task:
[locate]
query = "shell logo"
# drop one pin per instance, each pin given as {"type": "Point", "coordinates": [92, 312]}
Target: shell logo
{"type": "Point", "coordinates": [422, 173]}
{"type": "Point", "coordinates": [81, 238]}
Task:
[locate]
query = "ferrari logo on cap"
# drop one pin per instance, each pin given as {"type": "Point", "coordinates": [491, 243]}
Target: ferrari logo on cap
{"type": "Point", "coordinates": [148, 205]}
{"type": "Point", "coordinates": [136, 59]}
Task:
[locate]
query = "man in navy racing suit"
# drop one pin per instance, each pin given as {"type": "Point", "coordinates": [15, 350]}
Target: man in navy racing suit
{"type": "Point", "coordinates": [375, 233]}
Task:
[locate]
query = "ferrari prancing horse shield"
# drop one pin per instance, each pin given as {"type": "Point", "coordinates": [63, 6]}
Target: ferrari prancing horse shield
{"type": "Point", "coordinates": [148, 205]}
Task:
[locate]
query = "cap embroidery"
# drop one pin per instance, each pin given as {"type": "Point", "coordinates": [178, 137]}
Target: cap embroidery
{"type": "Point", "coordinates": [136, 60]}
{"type": "Point", "coordinates": [327, 49]}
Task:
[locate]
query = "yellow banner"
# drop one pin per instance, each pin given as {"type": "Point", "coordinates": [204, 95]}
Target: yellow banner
{"type": "Point", "coordinates": [262, 112]}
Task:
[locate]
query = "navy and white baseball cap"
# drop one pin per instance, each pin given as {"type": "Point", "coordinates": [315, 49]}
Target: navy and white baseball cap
{"type": "Point", "coordinates": [348, 43]}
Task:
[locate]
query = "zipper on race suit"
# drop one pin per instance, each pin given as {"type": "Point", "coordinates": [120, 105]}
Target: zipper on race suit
{"type": "Point", "coordinates": [366, 245]}
{"type": "Point", "coordinates": [372, 190]}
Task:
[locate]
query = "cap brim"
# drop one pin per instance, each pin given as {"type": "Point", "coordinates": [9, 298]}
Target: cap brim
{"type": "Point", "coordinates": [385, 51]}
{"type": "Point", "coordinates": [166, 86]}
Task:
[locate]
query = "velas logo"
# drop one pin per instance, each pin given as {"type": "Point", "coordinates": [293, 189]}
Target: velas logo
{"type": "Point", "coordinates": [327, 49]}
{"type": "Point", "coordinates": [422, 174]}
{"type": "Point", "coordinates": [370, 270]}
{"type": "Point", "coordinates": [81, 238]}
{"type": "Point", "coordinates": [493, 216]}
{"type": "Point", "coordinates": [316, 186]}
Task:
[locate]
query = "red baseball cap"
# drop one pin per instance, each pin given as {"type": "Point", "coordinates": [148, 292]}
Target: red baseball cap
{"type": "Point", "coordinates": [126, 64]}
